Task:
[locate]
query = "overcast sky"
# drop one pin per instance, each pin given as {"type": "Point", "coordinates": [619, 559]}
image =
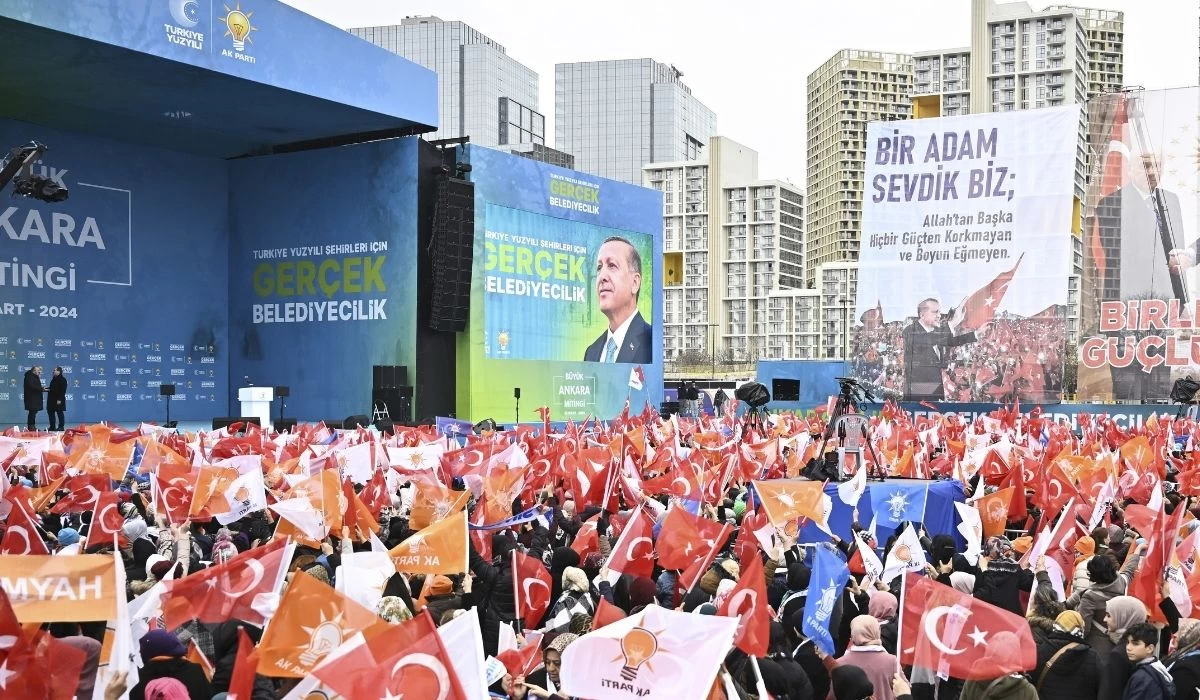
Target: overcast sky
{"type": "Point", "coordinates": [748, 62]}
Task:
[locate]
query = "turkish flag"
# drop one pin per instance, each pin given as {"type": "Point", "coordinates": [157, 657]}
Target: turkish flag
{"type": "Point", "coordinates": [587, 540]}
{"type": "Point", "coordinates": [993, 511]}
{"type": "Point", "coordinates": [404, 660]}
{"type": "Point", "coordinates": [591, 475]}
{"type": "Point", "coordinates": [85, 493]}
{"type": "Point", "coordinates": [527, 659]}
{"type": "Point", "coordinates": [531, 588]}
{"type": "Point", "coordinates": [312, 620]}
{"type": "Point", "coordinates": [106, 521]}
{"type": "Point", "coordinates": [1057, 489]}
{"type": "Point", "coordinates": [241, 683]}
{"type": "Point", "coordinates": [228, 591]}
{"type": "Point", "coordinates": [37, 667]}
{"type": "Point", "coordinates": [633, 553]}
{"type": "Point", "coordinates": [375, 495]}
{"type": "Point", "coordinates": [606, 613]}
{"type": "Point", "coordinates": [21, 535]}
{"type": "Point", "coordinates": [683, 538]}
{"type": "Point", "coordinates": [748, 602]}
{"type": "Point", "coordinates": [962, 635]}
{"type": "Point", "coordinates": [176, 485]}
{"type": "Point", "coordinates": [981, 306]}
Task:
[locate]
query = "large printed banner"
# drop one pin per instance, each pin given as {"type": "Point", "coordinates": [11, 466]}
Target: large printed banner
{"type": "Point", "coordinates": [60, 589]}
{"type": "Point", "coordinates": [1141, 246]}
{"type": "Point", "coordinates": [323, 278]}
{"type": "Point", "coordinates": [565, 286]}
{"type": "Point", "coordinates": [123, 285]}
{"type": "Point", "coordinates": [547, 295]}
{"type": "Point", "coordinates": [965, 256]}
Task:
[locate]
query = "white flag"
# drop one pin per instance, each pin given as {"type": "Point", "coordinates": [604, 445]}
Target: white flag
{"type": "Point", "coordinates": [300, 512]}
{"type": "Point", "coordinates": [971, 528]}
{"type": "Point", "coordinates": [126, 653]}
{"type": "Point", "coordinates": [851, 491]}
{"type": "Point", "coordinates": [247, 494]}
{"type": "Point", "coordinates": [464, 644]}
{"type": "Point", "coordinates": [656, 654]}
{"type": "Point", "coordinates": [363, 576]}
{"type": "Point", "coordinates": [906, 555]}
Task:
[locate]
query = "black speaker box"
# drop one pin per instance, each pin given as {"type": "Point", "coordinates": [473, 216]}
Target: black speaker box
{"type": "Point", "coordinates": [355, 422]}
{"type": "Point", "coordinates": [226, 421]}
{"type": "Point", "coordinates": [333, 423]}
{"type": "Point", "coordinates": [385, 426]}
{"type": "Point", "coordinates": [452, 251]}
{"type": "Point", "coordinates": [166, 389]}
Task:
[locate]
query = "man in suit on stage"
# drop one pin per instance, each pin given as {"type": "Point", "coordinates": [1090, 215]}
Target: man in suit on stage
{"type": "Point", "coordinates": [618, 285]}
{"type": "Point", "coordinates": [928, 343]}
{"type": "Point", "coordinates": [33, 395]}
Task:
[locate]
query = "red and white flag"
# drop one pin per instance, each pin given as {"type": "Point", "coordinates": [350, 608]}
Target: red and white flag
{"type": "Point", "coordinates": [981, 306]}
{"type": "Point", "coordinates": [405, 660]}
{"type": "Point", "coordinates": [21, 535]}
{"type": "Point", "coordinates": [531, 588]}
{"type": "Point", "coordinates": [633, 553]}
{"type": "Point", "coordinates": [962, 635]}
{"type": "Point", "coordinates": [243, 588]}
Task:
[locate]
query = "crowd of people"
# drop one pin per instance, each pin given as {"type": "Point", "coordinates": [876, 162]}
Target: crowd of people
{"type": "Point", "coordinates": [1019, 359]}
{"type": "Point", "coordinates": [1092, 635]}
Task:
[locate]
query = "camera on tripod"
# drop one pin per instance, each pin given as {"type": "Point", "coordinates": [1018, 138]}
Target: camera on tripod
{"type": "Point", "coordinates": [851, 428]}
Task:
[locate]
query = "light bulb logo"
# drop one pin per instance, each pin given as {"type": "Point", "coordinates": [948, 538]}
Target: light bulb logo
{"type": "Point", "coordinates": [238, 26]}
{"type": "Point", "coordinates": [323, 638]}
{"type": "Point", "coordinates": [638, 646]}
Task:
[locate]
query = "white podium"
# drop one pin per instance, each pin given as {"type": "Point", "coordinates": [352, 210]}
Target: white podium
{"type": "Point", "coordinates": [256, 402]}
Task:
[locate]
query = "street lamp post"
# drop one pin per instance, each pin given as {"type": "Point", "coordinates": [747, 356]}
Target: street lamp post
{"type": "Point", "coordinates": [713, 348]}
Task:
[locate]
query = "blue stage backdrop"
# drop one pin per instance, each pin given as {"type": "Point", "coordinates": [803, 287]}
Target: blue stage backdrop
{"type": "Point", "coordinates": [124, 285]}
{"type": "Point", "coordinates": [538, 300]}
{"type": "Point", "coordinates": [323, 272]}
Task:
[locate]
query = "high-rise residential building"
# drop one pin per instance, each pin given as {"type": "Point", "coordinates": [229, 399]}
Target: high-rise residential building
{"type": "Point", "coordinates": [617, 116]}
{"type": "Point", "coordinates": [483, 93]}
{"type": "Point", "coordinates": [1021, 58]}
{"type": "Point", "coordinates": [847, 91]}
{"type": "Point", "coordinates": [737, 243]}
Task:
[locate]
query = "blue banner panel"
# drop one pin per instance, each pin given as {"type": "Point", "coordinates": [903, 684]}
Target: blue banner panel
{"type": "Point", "coordinates": [124, 285]}
{"type": "Point", "coordinates": [264, 41]}
{"type": "Point", "coordinates": [323, 273]}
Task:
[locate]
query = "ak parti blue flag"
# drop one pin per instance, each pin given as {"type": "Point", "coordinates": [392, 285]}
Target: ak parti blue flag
{"type": "Point", "coordinates": [895, 502]}
{"type": "Point", "coordinates": [829, 577]}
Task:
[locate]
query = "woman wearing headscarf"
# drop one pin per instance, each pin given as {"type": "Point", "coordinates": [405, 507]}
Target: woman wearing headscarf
{"type": "Point", "coordinates": [1184, 663]}
{"type": "Point", "coordinates": [1121, 613]}
{"type": "Point", "coordinates": [438, 596]}
{"type": "Point", "coordinates": [780, 651]}
{"type": "Point", "coordinates": [798, 576]}
{"type": "Point", "coordinates": [1092, 603]}
{"type": "Point", "coordinates": [549, 676]}
{"type": "Point", "coordinates": [1044, 609]}
{"type": "Point", "coordinates": [852, 683]}
{"type": "Point", "coordinates": [1086, 549]}
{"type": "Point", "coordinates": [223, 547]}
{"type": "Point", "coordinates": [162, 657]}
{"type": "Point", "coordinates": [166, 689]}
{"type": "Point", "coordinates": [575, 599]}
{"type": "Point", "coordinates": [884, 607]}
{"type": "Point", "coordinates": [866, 652]}
{"type": "Point", "coordinates": [560, 559]}
{"type": "Point", "coordinates": [141, 547]}
{"type": "Point", "coordinates": [1067, 667]}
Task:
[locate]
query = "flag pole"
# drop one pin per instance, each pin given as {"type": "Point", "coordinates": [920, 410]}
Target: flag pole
{"type": "Point", "coordinates": [900, 623]}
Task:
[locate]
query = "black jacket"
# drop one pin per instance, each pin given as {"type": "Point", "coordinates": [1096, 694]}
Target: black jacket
{"type": "Point", "coordinates": [186, 672]}
{"type": "Point", "coordinates": [225, 646]}
{"type": "Point", "coordinates": [1002, 583]}
{"type": "Point", "coordinates": [638, 345]}
{"type": "Point", "coordinates": [57, 396]}
{"type": "Point", "coordinates": [33, 391]}
{"type": "Point", "coordinates": [926, 354]}
{"type": "Point", "coordinates": [1186, 673]}
{"type": "Point", "coordinates": [1075, 675]}
{"type": "Point", "coordinates": [493, 588]}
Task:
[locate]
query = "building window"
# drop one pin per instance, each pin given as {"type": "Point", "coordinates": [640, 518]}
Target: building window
{"type": "Point", "coordinates": [691, 148]}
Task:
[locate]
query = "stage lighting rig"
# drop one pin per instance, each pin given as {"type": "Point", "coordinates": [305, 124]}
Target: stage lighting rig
{"type": "Point", "coordinates": [41, 188]}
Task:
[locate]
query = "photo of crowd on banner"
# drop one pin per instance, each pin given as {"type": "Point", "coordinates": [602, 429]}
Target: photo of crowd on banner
{"type": "Point", "coordinates": [639, 557]}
